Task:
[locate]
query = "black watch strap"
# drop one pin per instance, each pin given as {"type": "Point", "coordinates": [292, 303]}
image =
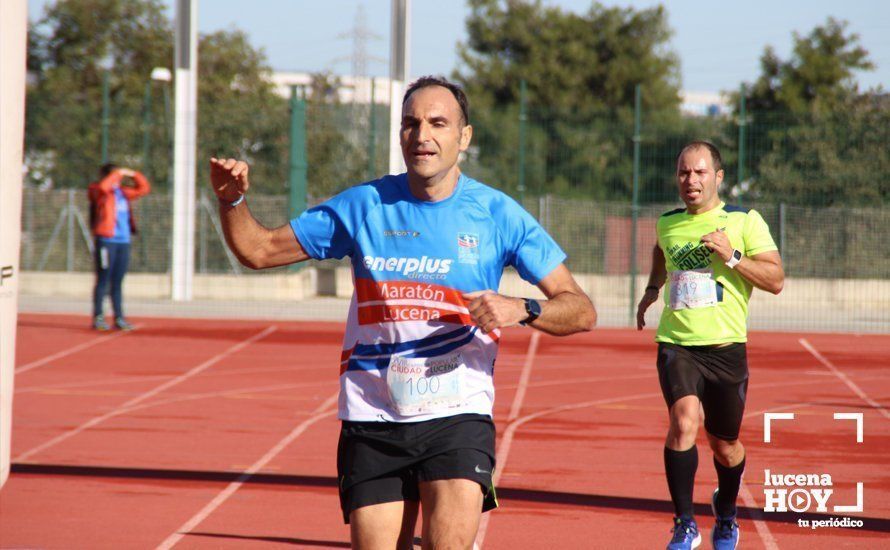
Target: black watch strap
{"type": "Point", "coordinates": [533, 309]}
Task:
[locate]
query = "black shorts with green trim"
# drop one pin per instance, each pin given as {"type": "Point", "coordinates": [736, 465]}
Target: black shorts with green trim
{"type": "Point", "coordinates": [717, 375]}
{"type": "Point", "coordinates": [381, 462]}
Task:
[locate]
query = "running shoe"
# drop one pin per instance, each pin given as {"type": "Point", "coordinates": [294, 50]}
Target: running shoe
{"type": "Point", "coordinates": [686, 535]}
{"type": "Point", "coordinates": [99, 323]}
{"type": "Point", "coordinates": [725, 535]}
{"type": "Point", "coordinates": [123, 325]}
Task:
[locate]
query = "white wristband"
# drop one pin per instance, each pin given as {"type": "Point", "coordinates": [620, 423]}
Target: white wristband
{"type": "Point", "coordinates": [237, 201]}
{"type": "Point", "coordinates": [734, 259]}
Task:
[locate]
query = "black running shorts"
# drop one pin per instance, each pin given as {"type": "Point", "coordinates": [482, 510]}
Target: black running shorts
{"type": "Point", "coordinates": [381, 462]}
{"type": "Point", "coordinates": [717, 375]}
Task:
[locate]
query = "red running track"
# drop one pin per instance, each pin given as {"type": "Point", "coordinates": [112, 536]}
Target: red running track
{"type": "Point", "coordinates": [222, 434]}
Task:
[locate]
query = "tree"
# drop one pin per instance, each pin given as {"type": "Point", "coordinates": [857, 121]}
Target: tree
{"type": "Point", "coordinates": [239, 114]}
{"type": "Point", "coordinates": [829, 158]}
{"type": "Point", "coordinates": [66, 50]}
{"type": "Point", "coordinates": [819, 74]}
{"type": "Point", "coordinates": [581, 71]}
{"type": "Point", "coordinates": [570, 61]}
{"type": "Point", "coordinates": [822, 140]}
{"type": "Point", "coordinates": [335, 135]}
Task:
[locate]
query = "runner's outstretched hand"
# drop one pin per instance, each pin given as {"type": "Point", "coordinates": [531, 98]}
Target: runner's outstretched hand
{"type": "Point", "coordinates": [228, 177]}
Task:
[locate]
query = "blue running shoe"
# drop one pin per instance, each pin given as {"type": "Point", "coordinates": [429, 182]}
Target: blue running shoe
{"type": "Point", "coordinates": [725, 535]}
{"type": "Point", "coordinates": [686, 535]}
{"type": "Point", "coordinates": [123, 325]}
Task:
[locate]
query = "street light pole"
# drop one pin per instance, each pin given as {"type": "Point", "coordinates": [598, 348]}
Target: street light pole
{"type": "Point", "coordinates": [105, 115]}
{"type": "Point", "coordinates": [182, 266]}
{"type": "Point", "coordinates": [164, 76]}
{"type": "Point", "coordinates": [146, 131]}
{"type": "Point", "coordinates": [400, 16]}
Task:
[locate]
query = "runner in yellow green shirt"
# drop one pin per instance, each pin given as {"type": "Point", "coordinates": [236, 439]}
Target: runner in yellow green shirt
{"type": "Point", "coordinates": [709, 256]}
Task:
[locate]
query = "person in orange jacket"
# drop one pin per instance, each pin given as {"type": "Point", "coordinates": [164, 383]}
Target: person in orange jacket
{"type": "Point", "coordinates": [113, 225]}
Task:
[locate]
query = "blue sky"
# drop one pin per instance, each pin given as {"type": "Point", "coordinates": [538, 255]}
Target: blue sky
{"type": "Point", "coordinates": [719, 43]}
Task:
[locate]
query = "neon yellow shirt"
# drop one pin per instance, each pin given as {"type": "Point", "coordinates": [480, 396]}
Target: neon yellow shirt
{"type": "Point", "coordinates": [679, 235]}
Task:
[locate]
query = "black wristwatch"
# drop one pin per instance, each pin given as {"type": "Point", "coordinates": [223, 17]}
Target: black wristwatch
{"type": "Point", "coordinates": [533, 308]}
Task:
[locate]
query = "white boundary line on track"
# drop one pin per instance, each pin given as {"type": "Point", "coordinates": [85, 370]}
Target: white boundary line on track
{"type": "Point", "coordinates": [509, 433]}
{"type": "Point", "coordinates": [226, 393]}
{"type": "Point", "coordinates": [72, 350]}
{"type": "Point", "coordinates": [89, 384]}
{"type": "Point", "coordinates": [504, 450]}
{"type": "Point", "coordinates": [511, 430]}
{"type": "Point", "coordinates": [101, 382]}
{"type": "Point", "coordinates": [837, 372]}
{"type": "Point", "coordinates": [519, 397]}
{"type": "Point", "coordinates": [318, 414]}
{"type": "Point", "coordinates": [515, 407]}
{"type": "Point", "coordinates": [587, 380]}
{"type": "Point", "coordinates": [766, 535]}
{"type": "Point", "coordinates": [121, 409]}
{"type": "Point", "coordinates": [769, 541]}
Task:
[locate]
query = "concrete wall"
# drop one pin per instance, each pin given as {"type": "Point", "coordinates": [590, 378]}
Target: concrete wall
{"type": "Point", "coordinates": [825, 304]}
{"type": "Point", "coordinates": [156, 286]}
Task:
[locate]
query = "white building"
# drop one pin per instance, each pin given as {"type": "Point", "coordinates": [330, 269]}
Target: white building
{"type": "Point", "coordinates": [352, 89]}
{"type": "Point", "coordinates": [358, 90]}
{"type": "Point", "coordinates": [704, 103]}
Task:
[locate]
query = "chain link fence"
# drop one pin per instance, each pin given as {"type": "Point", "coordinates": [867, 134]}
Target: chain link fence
{"type": "Point", "coordinates": [836, 259]}
{"type": "Point", "coordinates": [819, 180]}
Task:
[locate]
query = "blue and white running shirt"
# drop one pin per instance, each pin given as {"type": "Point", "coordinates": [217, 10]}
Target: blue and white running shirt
{"type": "Point", "coordinates": [411, 351]}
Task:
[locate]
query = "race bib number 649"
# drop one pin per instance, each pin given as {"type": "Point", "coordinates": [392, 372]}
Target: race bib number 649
{"type": "Point", "coordinates": [693, 289]}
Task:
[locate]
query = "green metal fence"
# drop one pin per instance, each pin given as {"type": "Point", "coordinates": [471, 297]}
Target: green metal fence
{"type": "Point", "coordinates": [596, 180]}
{"type": "Point", "coordinates": [813, 159]}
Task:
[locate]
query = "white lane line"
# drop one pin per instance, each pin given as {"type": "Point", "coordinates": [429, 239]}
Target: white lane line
{"type": "Point", "coordinates": [507, 440]}
{"type": "Point", "coordinates": [515, 407]}
{"type": "Point", "coordinates": [88, 384]}
{"type": "Point", "coordinates": [769, 541]}
{"type": "Point", "coordinates": [224, 495]}
{"type": "Point", "coordinates": [766, 536]}
{"type": "Point", "coordinates": [586, 380]}
{"type": "Point", "coordinates": [151, 393]}
{"type": "Point", "coordinates": [837, 372]}
{"type": "Point", "coordinates": [228, 393]}
{"type": "Point", "coordinates": [101, 382]}
{"type": "Point", "coordinates": [524, 377]}
{"type": "Point", "coordinates": [70, 351]}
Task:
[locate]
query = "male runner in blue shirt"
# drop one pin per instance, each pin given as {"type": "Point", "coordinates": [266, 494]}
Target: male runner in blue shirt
{"type": "Point", "coordinates": [428, 249]}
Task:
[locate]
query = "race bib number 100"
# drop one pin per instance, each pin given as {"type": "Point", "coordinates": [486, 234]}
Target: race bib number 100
{"type": "Point", "coordinates": [425, 385]}
{"type": "Point", "coordinates": [693, 289]}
